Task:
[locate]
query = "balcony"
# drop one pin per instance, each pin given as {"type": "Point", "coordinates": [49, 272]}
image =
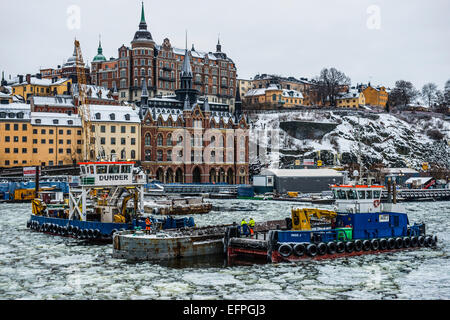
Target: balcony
{"type": "Point", "coordinates": [167, 68]}
{"type": "Point", "coordinates": [167, 79]}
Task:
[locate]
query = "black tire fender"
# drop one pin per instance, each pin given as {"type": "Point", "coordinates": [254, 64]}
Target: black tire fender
{"type": "Point", "coordinates": [374, 244]}
{"type": "Point", "coordinates": [285, 250]}
{"type": "Point", "coordinates": [299, 249]}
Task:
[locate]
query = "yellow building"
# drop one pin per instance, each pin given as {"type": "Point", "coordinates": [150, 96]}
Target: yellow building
{"type": "Point", "coordinates": [32, 86]}
{"type": "Point", "coordinates": [56, 139]}
{"type": "Point", "coordinates": [273, 96]}
{"type": "Point", "coordinates": [33, 138]}
{"type": "Point", "coordinates": [376, 96]}
{"type": "Point", "coordinates": [351, 99]}
{"type": "Point", "coordinates": [15, 130]}
{"type": "Point", "coordinates": [116, 130]}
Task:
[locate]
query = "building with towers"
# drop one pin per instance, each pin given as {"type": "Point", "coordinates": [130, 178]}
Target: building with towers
{"type": "Point", "coordinates": [213, 73]}
{"type": "Point", "coordinates": [187, 139]}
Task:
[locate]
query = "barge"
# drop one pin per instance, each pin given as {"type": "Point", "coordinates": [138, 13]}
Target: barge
{"type": "Point", "coordinates": [178, 244]}
{"type": "Point", "coordinates": [360, 224]}
{"type": "Point", "coordinates": [109, 199]}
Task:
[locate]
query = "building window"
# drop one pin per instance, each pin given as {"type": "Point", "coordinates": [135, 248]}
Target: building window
{"type": "Point", "coordinates": [148, 155]}
{"type": "Point", "coordinates": [160, 140]}
{"type": "Point", "coordinates": [148, 140]}
{"type": "Point", "coordinates": [159, 155]}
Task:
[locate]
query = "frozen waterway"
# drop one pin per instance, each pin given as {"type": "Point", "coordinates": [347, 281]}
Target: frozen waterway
{"type": "Point", "coordinates": [38, 266]}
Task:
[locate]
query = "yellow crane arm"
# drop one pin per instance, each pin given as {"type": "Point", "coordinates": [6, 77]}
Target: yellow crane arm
{"type": "Point", "coordinates": [301, 217]}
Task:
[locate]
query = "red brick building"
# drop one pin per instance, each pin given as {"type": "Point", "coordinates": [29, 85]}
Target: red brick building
{"type": "Point", "coordinates": [187, 140]}
{"type": "Point", "coordinates": [214, 74]}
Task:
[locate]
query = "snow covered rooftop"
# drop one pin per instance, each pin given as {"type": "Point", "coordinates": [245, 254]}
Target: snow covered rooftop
{"type": "Point", "coordinates": [15, 111]}
{"type": "Point", "coordinates": [101, 113]}
{"type": "Point", "coordinates": [301, 173]}
{"type": "Point", "coordinates": [418, 180]}
{"type": "Point", "coordinates": [398, 170]}
{"type": "Point", "coordinates": [60, 101]}
{"type": "Point", "coordinates": [55, 119]}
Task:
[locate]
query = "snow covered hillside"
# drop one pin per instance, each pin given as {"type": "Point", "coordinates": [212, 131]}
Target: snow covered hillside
{"type": "Point", "coordinates": [392, 140]}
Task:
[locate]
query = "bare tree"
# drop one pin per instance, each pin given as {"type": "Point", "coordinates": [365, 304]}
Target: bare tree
{"type": "Point", "coordinates": [329, 84]}
{"type": "Point", "coordinates": [403, 94]}
{"type": "Point", "coordinates": [429, 91]}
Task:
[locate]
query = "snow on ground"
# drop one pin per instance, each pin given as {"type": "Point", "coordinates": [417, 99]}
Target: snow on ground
{"type": "Point", "coordinates": [394, 140]}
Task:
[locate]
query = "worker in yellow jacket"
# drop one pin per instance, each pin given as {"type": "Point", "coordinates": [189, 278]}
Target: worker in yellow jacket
{"type": "Point", "coordinates": [244, 227]}
{"type": "Point", "coordinates": [251, 225]}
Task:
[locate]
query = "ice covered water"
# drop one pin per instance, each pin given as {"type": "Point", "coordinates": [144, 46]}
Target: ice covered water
{"type": "Point", "coordinates": [39, 266]}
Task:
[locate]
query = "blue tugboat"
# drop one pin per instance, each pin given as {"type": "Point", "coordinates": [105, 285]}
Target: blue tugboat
{"type": "Point", "coordinates": [109, 199]}
{"type": "Point", "coordinates": [360, 224]}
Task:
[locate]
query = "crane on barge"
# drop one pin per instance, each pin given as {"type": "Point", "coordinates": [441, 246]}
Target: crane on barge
{"type": "Point", "coordinates": [83, 107]}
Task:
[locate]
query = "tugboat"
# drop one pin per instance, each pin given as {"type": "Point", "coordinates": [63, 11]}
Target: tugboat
{"type": "Point", "coordinates": [360, 224]}
{"type": "Point", "coordinates": [110, 198]}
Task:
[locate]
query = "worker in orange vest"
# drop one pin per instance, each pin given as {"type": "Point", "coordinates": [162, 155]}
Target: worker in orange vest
{"type": "Point", "coordinates": [148, 225]}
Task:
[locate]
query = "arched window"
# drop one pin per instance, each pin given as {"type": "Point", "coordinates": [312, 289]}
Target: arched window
{"type": "Point", "coordinates": [123, 154]}
{"type": "Point", "coordinates": [180, 140]}
{"type": "Point", "coordinates": [160, 140]}
{"type": "Point", "coordinates": [169, 139]}
{"type": "Point", "coordinates": [148, 139]}
{"type": "Point", "coordinates": [169, 122]}
{"type": "Point", "coordinates": [133, 154]}
{"type": "Point", "coordinates": [213, 142]}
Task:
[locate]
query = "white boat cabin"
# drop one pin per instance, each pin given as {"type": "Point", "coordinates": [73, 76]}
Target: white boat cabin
{"type": "Point", "coordinates": [362, 199]}
{"type": "Point", "coordinates": [111, 173]}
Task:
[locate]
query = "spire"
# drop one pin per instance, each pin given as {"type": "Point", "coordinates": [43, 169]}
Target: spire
{"type": "Point", "coordinates": [100, 49]}
{"type": "Point", "coordinates": [143, 13]}
{"type": "Point", "coordinates": [144, 89]}
{"type": "Point", "coordinates": [186, 69]}
{"type": "Point", "coordinates": [206, 106]}
{"type": "Point", "coordinates": [143, 34]}
{"type": "Point", "coordinates": [187, 104]}
{"type": "Point", "coordinates": [219, 46]}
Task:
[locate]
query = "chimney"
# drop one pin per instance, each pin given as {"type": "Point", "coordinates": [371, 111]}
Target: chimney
{"type": "Point", "coordinates": [38, 76]}
{"type": "Point", "coordinates": [20, 78]}
{"type": "Point", "coordinates": [28, 77]}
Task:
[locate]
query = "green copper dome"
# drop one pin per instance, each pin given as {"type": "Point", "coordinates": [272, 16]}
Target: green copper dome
{"type": "Point", "coordinates": [99, 57]}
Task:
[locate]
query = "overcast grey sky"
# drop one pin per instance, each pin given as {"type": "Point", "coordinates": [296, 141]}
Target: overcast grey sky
{"type": "Point", "coordinates": [370, 40]}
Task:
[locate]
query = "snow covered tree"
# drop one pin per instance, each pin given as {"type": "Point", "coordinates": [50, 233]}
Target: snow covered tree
{"type": "Point", "coordinates": [429, 91]}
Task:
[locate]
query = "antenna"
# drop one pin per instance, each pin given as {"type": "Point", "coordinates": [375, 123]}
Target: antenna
{"type": "Point", "coordinates": [186, 38]}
